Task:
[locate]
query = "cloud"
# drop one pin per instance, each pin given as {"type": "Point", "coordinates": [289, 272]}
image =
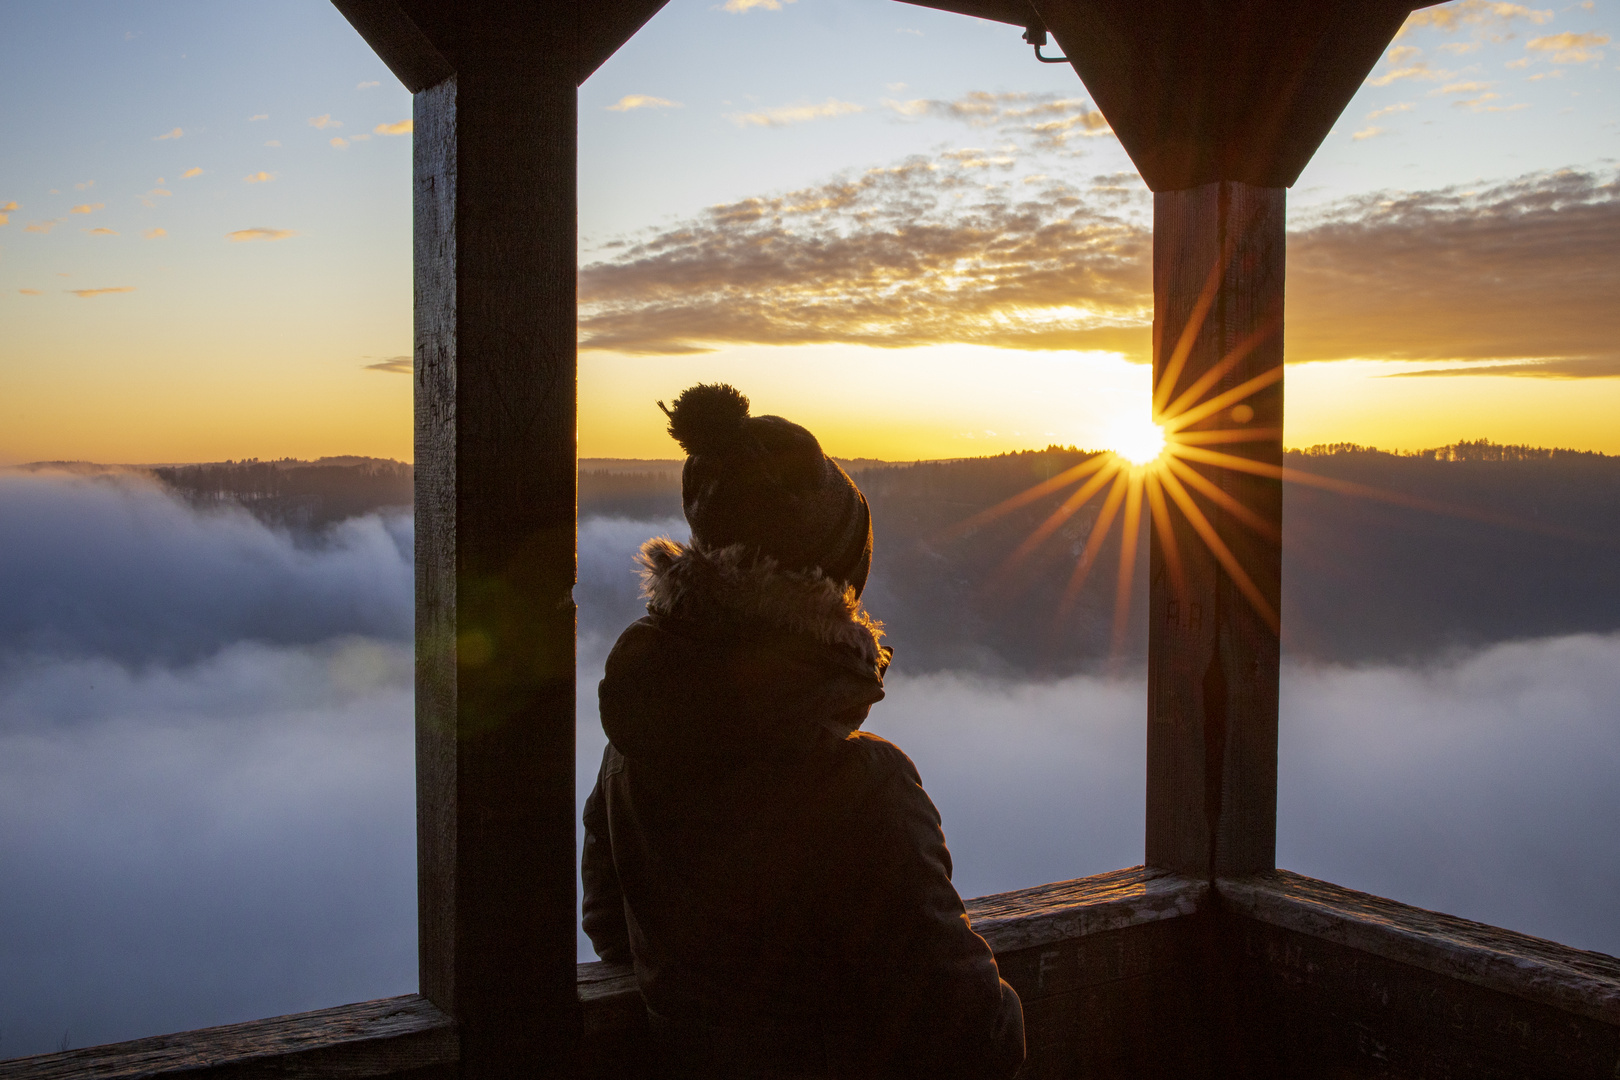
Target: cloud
{"type": "Point", "coordinates": [206, 778]}
{"type": "Point", "coordinates": [191, 172]}
{"type": "Point", "coordinates": [1468, 787]}
{"type": "Point", "coordinates": [739, 7]}
{"type": "Point", "coordinates": [785, 115]}
{"type": "Point", "coordinates": [1368, 133]}
{"type": "Point", "coordinates": [1568, 48]}
{"type": "Point", "coordinates": [258, 116]}
{"type": "Point", "coordinates": [88, 208]}
{"type": "Point", "coordinates": [207, 781]}
{"type": "Point", "coordinates": [918, 253]}
{"type": "Point", "coordinates": [338, 142]}
{"type": "Point", "coordinates": [324, 121]}
{"type": "Point", "coordinates": [153, 234]}
{"type": "Point", "coordinates": [102, 231]}
{"type": "Point", "coordinates": [1606, 367]}
{"type": "Point", "coordinates": [398, 127]}
{"type": "Point", "coordinates": [260, 177]}
{"type": "Point", "coordinates": [1522, 269]}
{"type": "Point", "coordinates": [1486, 18]}
{"type": "Point", "coordinates": [173, 134]}
{"type": "Point", "coordinates": [273, 142]}
{"type": "Point", "coordinates": [1420, 71]}
{"type": "Point", "coordinates": [241, 236]}
{"type": "Point", "coordinates": [207, 844]}
{"type": "Point", "coordinates": [368, 84]}
{"type": "Point", "coordinates": [30, 292]}
{"type": "Point", "coordinates": [1482, 104]}
{"type": "Point", "coordinates": [1461, 88]}
{"type": "Point", "coordinates": [86, 294]}
{"type": "Point", "coordinates": [642, 101]}
{"type": "Point", "coordinates": [398, 365]}
{"type": "Point", "coordinates": [43, 226]}
{"type": "Point", "coordinates": [86, 186]}
{"type": "Point", "coordinates": [925, 252]}
{"type": "Point", "coordinates": [8, 207]}
{"type": "Point", "coordinates": [1049, 120]}
{"type": "Point", "coordinates": [156, 580]}
{"type": "Point", "coordinates": [1390, 110]}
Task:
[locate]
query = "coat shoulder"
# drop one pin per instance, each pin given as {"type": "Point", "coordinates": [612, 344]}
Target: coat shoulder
{"type": "Point", "coordinates": [879, 758]}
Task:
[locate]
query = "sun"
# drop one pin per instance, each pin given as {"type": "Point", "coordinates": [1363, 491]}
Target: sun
{"type": "Point", "coordinates": [1138, 441]}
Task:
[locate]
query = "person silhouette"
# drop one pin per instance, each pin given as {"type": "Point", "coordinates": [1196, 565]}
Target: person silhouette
{"type": "Point", "coordinates": [778, 877]}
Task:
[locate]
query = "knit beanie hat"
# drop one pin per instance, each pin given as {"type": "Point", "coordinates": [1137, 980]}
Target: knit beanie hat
{"type": "Point", "coordinates": [763, 482]}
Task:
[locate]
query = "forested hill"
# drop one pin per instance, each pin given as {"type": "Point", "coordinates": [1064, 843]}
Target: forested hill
{"type": "Point", "coordinates": [1515, 542]}
{"type": "Point", "coordinates": [1465, 545]}
{"type": "Point", "coordinates": [294, 493]}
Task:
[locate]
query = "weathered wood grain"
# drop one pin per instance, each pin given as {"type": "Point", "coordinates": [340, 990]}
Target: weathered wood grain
{"type": "Point", "coordinates": [495, 177]}
{"type": "Point", "coordinates": [1218, 263]}
{"type": "Point", "coordinates": [1029, 918]}
{"type": "Point", "coordinates": [1297, 1004]}
{"type": "Point", "coordinates": [1573, 980]}
{"type": "Point", "coordinates": [1012, 12]}
{"type": "Point", "coordinates": [397, 41]}
{"type": "Point", "coordinates": [391, 1037]}
{"type": "Point", "coordinates": [1203, 92]}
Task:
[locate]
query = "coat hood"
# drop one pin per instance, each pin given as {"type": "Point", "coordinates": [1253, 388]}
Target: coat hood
{"type": "Point", "coordinates": [737, 660]}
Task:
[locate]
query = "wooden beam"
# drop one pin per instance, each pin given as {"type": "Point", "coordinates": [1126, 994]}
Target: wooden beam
{"type": "Point", "coordinates": [393, 32]}
{"type": "Point", "coordinates": [1011, 12]}
{"type": "Point", "coordinates": [495, 476]}
{"type": "Point", "coordinates": [495, 196]}
{"type": "Point", "coordinates": [1218, 263]}
{"type": "Point", "coordinates": [1240, 90]}
{"type": "Point", "coordinates": [397, 41]}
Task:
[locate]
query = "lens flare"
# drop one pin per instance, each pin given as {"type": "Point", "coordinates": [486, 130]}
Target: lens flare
{"type": "Point", "coordinates": [1139, 442]}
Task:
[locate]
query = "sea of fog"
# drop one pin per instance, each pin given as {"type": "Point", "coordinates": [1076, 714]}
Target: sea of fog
{"type": "Point", "coordinates": [206, 768]}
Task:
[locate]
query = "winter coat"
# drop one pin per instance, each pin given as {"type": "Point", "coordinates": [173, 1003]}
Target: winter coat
{"type": "Point", "coordinates": [778, 877]}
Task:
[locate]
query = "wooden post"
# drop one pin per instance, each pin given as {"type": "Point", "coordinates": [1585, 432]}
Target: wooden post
{"type": "Point", "coordinates": [1218, 262]}
{"type": "Point", "coordinates": [495, 182]}
{"type": "Point", "coordinates": [495, 493]}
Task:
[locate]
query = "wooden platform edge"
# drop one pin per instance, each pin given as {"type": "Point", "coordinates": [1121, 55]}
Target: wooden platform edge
{"type": "Point", "coordinates": [1534, 969]}
{"type": "Point", "coordinates": [371, 1038]}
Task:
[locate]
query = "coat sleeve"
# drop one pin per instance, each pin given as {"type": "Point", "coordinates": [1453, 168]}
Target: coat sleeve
{"type": "Point", "coordinates": [603, 919]}
{"type": "Point", "coordinates": [934, 1001]}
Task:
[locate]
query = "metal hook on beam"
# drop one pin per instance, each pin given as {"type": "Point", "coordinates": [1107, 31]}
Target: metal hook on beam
{"type": "Point", "coordinates": [1036, 36]}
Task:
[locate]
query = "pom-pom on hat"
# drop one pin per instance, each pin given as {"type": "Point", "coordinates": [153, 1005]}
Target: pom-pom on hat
{"type": "Point", "coordinates": [763, 482]}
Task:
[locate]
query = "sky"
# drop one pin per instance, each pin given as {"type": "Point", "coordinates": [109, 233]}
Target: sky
{"type": "Point", "coordinates": [933, 247]}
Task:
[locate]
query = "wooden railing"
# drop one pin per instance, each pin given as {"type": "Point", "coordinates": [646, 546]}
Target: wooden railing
{"type": "Point", "coordinates": [1129, 973]}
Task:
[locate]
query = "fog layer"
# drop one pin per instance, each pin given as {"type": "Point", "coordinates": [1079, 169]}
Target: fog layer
{"type": "Point", "coordinates": [206, 775]}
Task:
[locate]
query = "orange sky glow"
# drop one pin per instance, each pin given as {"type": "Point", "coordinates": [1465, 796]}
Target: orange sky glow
{"type": "Point", "coordinates": [914, 256]}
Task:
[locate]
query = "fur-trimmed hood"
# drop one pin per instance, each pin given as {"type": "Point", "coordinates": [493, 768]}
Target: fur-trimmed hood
{"type": "Point", "coordinates": [737, 659]}
{"type": "Point", "coordinates": [742, 587]}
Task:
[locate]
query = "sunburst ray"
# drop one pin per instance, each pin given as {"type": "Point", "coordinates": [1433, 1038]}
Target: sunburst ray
{"type": "Point", "coordinates": [1024, 498]}
{"type": "Point", "coordinates": [1223, 554]}
{"type": "Point", "coordinates": [1044, 531]}
{"type": "Point", "coordinates": [1127, 561]}
{"type": "Point", "coordinates": [1231, 360]}
{"type": "Point", "coordinates": [1224, 500]}
{"type": "Point", "coordinates": [1094, 543]}
{"type": "Point", "coordinates": [1166, 533]}
{"type": "Point", "coordinates": [1220, 401]}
